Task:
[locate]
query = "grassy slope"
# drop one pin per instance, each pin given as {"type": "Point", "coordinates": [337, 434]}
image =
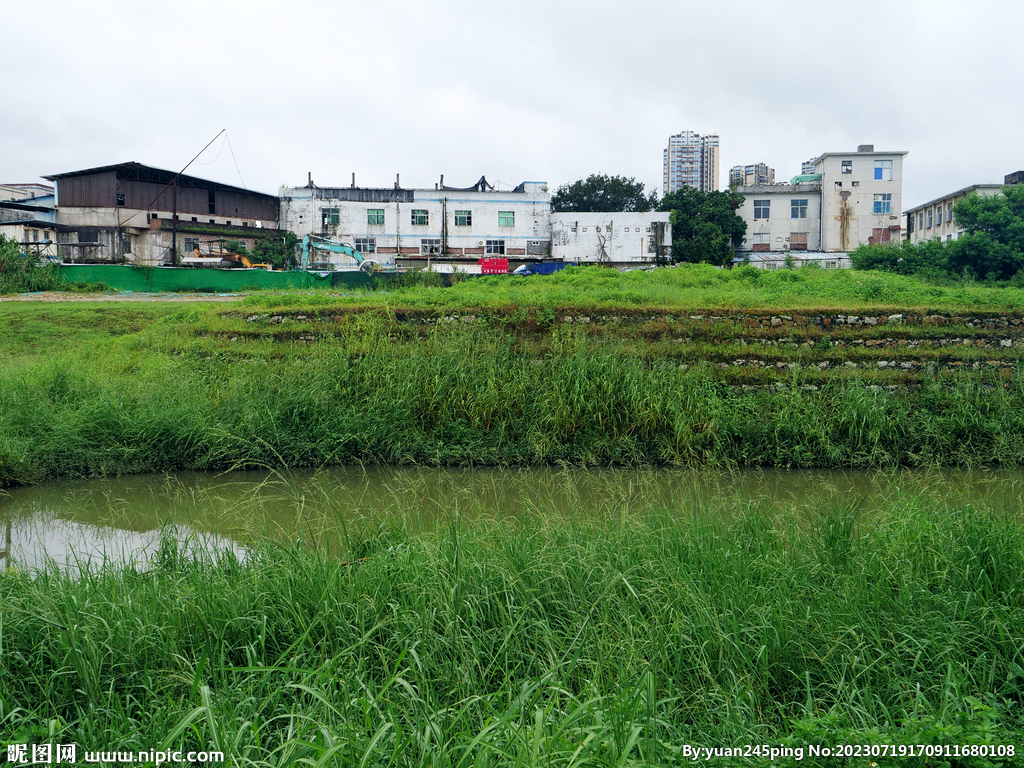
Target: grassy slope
{"type": "Point", "coordinates": [112, 389]}
{"type": "Point", "coordinates": [695, 286]}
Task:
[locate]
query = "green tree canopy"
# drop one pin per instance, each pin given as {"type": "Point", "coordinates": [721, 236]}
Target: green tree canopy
{"type": "Point", "coordinates": [992, 244]}
{"type": "Point", "coordinates": [601, 193]}
{"type": "Point", "coordinates": [705, 225]}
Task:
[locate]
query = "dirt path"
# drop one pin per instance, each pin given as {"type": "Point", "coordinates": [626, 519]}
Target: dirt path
{"type": "Point", "coordinates": [51, 296]}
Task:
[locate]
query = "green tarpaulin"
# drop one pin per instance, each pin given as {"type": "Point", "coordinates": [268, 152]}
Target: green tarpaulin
{"type": "Point", "coordinates": [123, 278]}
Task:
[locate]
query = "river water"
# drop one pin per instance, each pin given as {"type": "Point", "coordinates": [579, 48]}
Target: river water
{"type": "Point", "coordinates": [124, 518]}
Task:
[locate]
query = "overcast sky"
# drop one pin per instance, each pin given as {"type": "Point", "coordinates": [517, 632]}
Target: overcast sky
{"type": "Point", "coordinates": [524, 90]}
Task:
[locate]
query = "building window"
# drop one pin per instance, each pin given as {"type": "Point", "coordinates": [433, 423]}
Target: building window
{"type": "Point", "coordinates": [420, 217]}
{"type": "Point", "coordinates": [126, 243]}
{"type": "Point", "coordinates": [366, 244]}
{"type": "Point", "coordinates": [831, 265]}
{"type": "Point", "coordinates": [929, 215]}
{"type": "Point", "coordinates": [506, 218]}
{"type": "Point", "coordinates": [329, 216]}
{"type": "Point", "coordinates": [761, 209]}
{"type": "Point", "coordinates": [938, 215]}
{"type": "Point", "coordinates": [883, 204]}
{"type": "Point", "coordinates": [847, 166]}
{"type": "Point", "coordinates": [948, 238]}
{"type": "Point", "coordinates": [854, 183]}
{"type": "Point", "coordinates": [211, 200]}
{"type": "Point", "coordinates": [949, 211]}
{"type": "Point", "coordinates": [798, 241]}
{"type": "Point", "coordinates": [375, 216]}
{"type": "Point", "coordinates": [120, 198]}
{"type": "Point", "coordinates": [496, 247]}
{"type": "Point", "coordinates": [463, 218]}
{"type": "Point", "coordinates": [191, 245]}
{"type": "Point", "coordinates": [430, 245]}
{"type": "Point", "coordinates": [883, 170]}
{"type": "Point", "coordinates": [920, 220]}
{"type": "Point", "coordinates": [798, 209]}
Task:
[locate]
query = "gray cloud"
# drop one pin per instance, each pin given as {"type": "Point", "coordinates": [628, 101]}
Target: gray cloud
{"type": "Point", "coordinates": [529, 90]}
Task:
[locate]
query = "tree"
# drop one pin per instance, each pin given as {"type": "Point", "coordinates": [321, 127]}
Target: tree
{"type": "Point", "coordinates": [992, 244]}
{"type": "Point", "coordinates": [929, 258]}
{"type": "Point", "coordinates": [705, 225]}
{"type": "Point", "coordinates": [279, 252]}
{"type": "Point", "coordinates": [601, 193]}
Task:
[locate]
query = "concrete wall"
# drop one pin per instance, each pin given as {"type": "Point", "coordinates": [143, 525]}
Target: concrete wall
{"type": "Point", "coordinates": [773, 261]}
{"type": "Point", "coordinates": [610, 238]}
{"type": "Point", "coordinates": [134, 236]}
{"type": "Point", "coordinates": [528, 234]}
{"type": "Point", "coordinates": [940, 224]}
{"type": "Point", "coordinates": [31, 232]}
{"type": "Point", "coordinates": [777, 230]}
{"type": "Point", "coordinates": [848, 204]}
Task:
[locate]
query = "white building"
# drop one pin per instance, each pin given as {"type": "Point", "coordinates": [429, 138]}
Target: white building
{"type": "Point", "coordinates": [773, 261]}
{"type": "Point", "coordinates": [690, 160]}
{"type": "Point", "coordinates": [862, 195]}
{"type": "Point", "coordinates": [786, 217]}
{"type": "Point", "coordinates": [384, 223]}
{"type": "Point", "coordinates": [852, 198]}
{"type": "Point", "coordinates": [25, 192]}
{"type": "Point", "coordinates": [31, 222]}
{"type": "Point", "coordinates": [934, 219]}
{"type": "Point", "coordinates": [616, 239]}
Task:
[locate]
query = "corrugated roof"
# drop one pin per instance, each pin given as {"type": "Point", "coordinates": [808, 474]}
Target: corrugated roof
{"type": "Point", "coordinates": [139, 172]}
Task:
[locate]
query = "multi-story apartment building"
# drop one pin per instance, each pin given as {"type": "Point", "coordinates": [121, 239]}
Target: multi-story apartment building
{"type": "Point", "coordinates": [751, 175]}
{"type": "Point", "coordinates": [852, 198]}
{"type": "Point", "coordinates": [807, 166]}
{"type": "Point", "coordinates": [690, 160]}
{"type": "Point", "coordinates": [934, 219]}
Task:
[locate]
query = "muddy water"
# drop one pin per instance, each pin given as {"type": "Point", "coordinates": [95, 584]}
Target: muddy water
{"type": "Point", "coordinates": [125, 518]}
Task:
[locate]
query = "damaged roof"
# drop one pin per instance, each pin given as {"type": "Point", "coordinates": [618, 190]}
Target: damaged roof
{"type": "Point", "coordinates": [134, 171]}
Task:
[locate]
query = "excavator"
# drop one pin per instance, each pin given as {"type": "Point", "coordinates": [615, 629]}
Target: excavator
{"type": "Point", "coordinates": [244, 261]}
{"type": "Point", "coordinates": [312, 243]}
{"type": "Point", "coordinates": [217, 255]}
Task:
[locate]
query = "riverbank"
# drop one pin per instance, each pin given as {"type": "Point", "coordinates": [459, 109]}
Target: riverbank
{"type": "Point", "coordinates": [608, 640]}
{"type": "Point", "coordinates": [307, 380]}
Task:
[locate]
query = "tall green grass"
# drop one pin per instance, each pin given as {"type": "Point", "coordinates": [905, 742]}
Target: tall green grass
{"type": "Point", "coordinates": [614, 639]}
{"type": "Point", "coordinates": [21, 273]}
{"type": "Point", "coordinates": [167, 400]}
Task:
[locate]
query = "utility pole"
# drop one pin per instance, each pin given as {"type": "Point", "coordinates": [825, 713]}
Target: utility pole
{"type": "Point", "coordinates": [174, 226]}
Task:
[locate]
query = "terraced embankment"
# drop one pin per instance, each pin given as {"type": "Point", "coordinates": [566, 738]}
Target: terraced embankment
{"type": "Point", "coordinates": [208, 387]}
{"type": "Point", "coordinates": [883, 348]}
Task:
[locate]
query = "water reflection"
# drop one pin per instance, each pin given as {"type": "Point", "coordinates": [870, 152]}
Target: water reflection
{"type": "Point", "coordinates": [121, 518]}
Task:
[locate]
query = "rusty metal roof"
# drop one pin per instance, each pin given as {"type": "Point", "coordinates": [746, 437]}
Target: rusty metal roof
{"type": "Point", "coordinates": [139, 172]}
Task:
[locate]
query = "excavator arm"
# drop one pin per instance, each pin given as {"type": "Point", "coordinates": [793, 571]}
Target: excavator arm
{"type": "Point", "coordinates": [312, 243]}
